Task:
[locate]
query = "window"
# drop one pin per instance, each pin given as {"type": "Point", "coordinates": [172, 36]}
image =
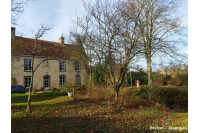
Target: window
{"type": "Point", "coordinates": [27, 65]}
{"type": "Point", "coordinates": [78, 80]}
{"type": "Point", "coordinates": [62, 79]}
{"type": "Point", "coordinates": [77, 68]}
{"type": "Point", "coordinates": [27, 82]}
{"type": "Point", "coordinates": [62, 66]}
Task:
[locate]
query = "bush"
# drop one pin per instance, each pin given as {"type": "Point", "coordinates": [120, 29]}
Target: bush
{"type": "Point", "coordinates": [98, 76]}
{"type": "Point", "coordinates": [160, 79]}
{"type": "Point", "coordinates": [140, 75]}
{"type": "Point", "coordinates": [53, 88]}
{"type": "Point", "coordinates": [69, 86]}
{"type": "Point", "coordinates": [179, 80]}
{"type": "Point", "coordinates": [174, 98]}
{"type": "Point", "coordinates": [183, 78]}
{"type": "Point", "coordinates": [82, 89]}
{"type": "Point", "coordinates": [13, 81]}
{"type": "Point", "coordinates": [53, 93]}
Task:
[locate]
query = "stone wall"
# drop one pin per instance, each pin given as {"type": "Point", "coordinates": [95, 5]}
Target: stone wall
{"type": "Point", "coordinates": [52, 69]}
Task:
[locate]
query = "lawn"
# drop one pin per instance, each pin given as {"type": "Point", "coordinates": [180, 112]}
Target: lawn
{"type": "Point", "coordinates": [80, 114]}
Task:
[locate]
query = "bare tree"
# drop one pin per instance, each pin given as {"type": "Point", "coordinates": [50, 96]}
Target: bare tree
{"type": "Point", "coordinates": [107, 39]}
{"type": "Point", "coordinates": [17, 7]}
{"type": "Point", "coordinates": [159, 24]}
{"type": "Point", "coordinates": [33, 49]}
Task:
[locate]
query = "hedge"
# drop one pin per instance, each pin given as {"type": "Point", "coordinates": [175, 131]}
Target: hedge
{"type": "Point", "coordinates": [172, 97]}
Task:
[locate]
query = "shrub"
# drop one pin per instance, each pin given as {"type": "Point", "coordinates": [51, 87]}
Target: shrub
{"type": "Point", "coordinates": [53, 93]}
{"type": "Point", "coordinates": [13, 81]}
{"type": "Point", "coordinates": [100, 93]}
{"type": "Point", "coordinates": [82, 89]}
{"type": "Point", "coordinates": [34, 90]}
{"type": "Point", "coordinates": [174, 98]}
{"type": "Point", "coordinates": [98, 76]}
{"type": "Point", "coordinates": [140, 75]}
{"type": "Point", "coordinates": [69, 86]}
{"type": "Point", "coordinates": [184, 79]}
{"type": "Point", "coordinates": [53, 88]}
{"type": "Point", "coordinates": [160, 79]}
{"type": "Point", "coordinates": [179, 80]}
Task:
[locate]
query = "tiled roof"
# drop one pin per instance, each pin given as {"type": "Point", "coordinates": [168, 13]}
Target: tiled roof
{"type": "Point", "coordinates": [46, 48]}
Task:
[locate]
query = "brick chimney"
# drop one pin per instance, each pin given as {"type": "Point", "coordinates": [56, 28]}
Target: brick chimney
{"type": "Point", "coordinates": [13, 32]}
{"type": "Point", "coordinates": [61, 40]}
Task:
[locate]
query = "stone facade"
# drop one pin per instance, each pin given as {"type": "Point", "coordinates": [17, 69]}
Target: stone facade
{"type": "Point", "coordinates": [50, 69]}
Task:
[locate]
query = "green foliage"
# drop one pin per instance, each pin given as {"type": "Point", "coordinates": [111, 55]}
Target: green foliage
{"type": "Point", "coordinates": [179, 80]}
{"type": "Point", "coordinates": [13, 81]}
{"type": "Point", "coordinates": [98, 76]}
{"type": "Point", "coordinates": [34, 90]}
{"type": "Point", "coordinates": [53, 88]}
{"type": "Point", "coordinates": [167, 77]}
{"type": "Point", "coordinates": [83, 86]}
{"type": "Point", "coordinates": [156, 76]}
{"type": "Point", "coordinates": [170, 96]}
{"type": "Point", "coordinates": [69, 86]}
{"type": "Point", "coordinates": [183, 78]}
{"type": "Point", "coordinates": [53, 93]}
{"type": "Point", "coordinates": [140, 75]}
{"type": "Point", "coordinates": [81, 89]}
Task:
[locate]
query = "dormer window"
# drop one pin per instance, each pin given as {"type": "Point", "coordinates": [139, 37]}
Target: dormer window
{"type": "Point", "coordinates": [62, 66]}
{"type": "Point", "coordinates": [77, 68]}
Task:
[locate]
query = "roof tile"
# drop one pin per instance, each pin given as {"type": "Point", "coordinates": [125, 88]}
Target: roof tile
{"type": "Point", "coordinates": [21, 45]}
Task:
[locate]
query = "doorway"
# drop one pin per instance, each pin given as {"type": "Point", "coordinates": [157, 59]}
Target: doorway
{"type": "Point", "coordinates": [46, 83]}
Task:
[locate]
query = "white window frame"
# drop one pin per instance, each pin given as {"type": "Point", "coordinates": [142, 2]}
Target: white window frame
{"type": "Point", "coordinates": [62, 79]}
{"type": "Point", "coordinates": [27, 65]}
{"type": "Point", "coordinates": [77, 66]}
{"type": "Point", "coordinates": [62, 66]}
{"type": "Point", "coordinates": [27, 83]}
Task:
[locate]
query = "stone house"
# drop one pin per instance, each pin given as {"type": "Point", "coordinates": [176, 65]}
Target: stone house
{"type": "Point", "coordinates": [61, 66]}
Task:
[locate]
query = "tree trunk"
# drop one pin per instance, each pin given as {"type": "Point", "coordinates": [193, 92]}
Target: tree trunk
{"type": "Point", "coordinates": [90, 83]}
{"type": "Point", "coordinates": [116, 92]}
{"type": "Point", "coordinates": [149, 71]}
{"type": "Point", "coordinates": [28, 110]}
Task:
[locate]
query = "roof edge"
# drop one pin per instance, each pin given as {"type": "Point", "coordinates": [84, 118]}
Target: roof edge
{"type": "Point", "coordinates": [39, 56]}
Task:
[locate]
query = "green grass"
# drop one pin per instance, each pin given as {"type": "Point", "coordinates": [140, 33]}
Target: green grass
{"type": "Point", "coordinates": [65, 114]}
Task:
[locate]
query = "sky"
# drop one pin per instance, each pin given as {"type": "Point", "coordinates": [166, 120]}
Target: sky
{"type": "Point", "coordinates": [53, 12]}
{"type": "Point", "coordinates": [59, 13]}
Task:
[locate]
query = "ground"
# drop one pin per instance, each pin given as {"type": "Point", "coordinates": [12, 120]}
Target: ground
{"type": "Point", "coordinates": [81, 114]}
